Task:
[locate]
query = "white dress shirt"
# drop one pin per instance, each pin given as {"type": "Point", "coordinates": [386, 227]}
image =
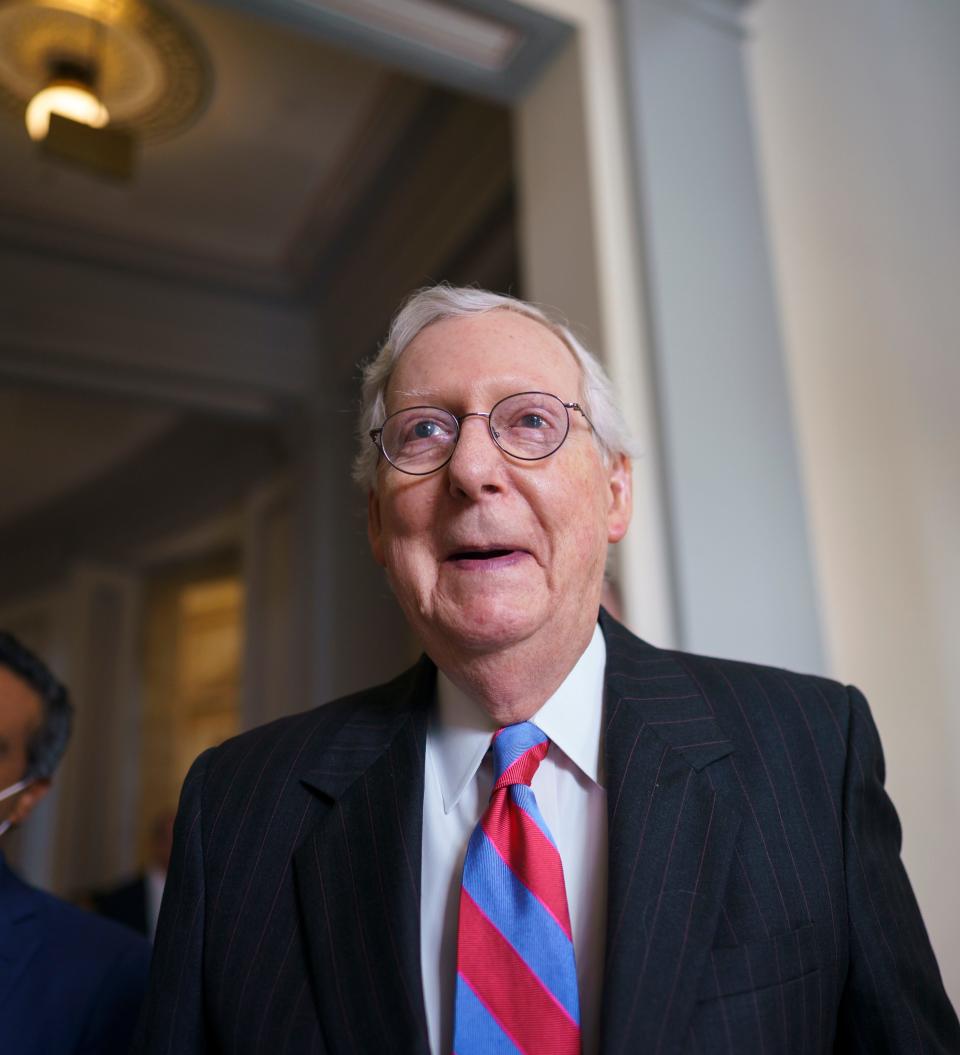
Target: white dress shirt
{"type": "Point", "coordinates": [569, 789]}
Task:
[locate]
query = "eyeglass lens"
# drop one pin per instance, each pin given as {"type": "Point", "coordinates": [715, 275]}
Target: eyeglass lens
{"type": "Point", "coordinates": [529, 425]}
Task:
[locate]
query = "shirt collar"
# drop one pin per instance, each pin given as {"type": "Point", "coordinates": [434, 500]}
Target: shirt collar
{"type": "Point", "coordinates": [572, 718]}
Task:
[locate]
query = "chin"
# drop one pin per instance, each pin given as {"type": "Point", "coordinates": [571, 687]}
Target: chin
{"type": "Point", "coordinates": [485, 625]}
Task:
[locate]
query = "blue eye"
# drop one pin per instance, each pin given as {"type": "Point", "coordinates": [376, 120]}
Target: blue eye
{"type": "Point", "coordinates": [418, 430]}
{"type": "Point", "coordinates": [532, 421]}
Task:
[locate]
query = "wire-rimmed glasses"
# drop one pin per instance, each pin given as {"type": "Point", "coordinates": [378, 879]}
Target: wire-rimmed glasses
{"type": "Point", "coordinates": [527, 425]}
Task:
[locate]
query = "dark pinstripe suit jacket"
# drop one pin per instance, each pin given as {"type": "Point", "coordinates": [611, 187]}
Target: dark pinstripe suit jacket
{"type": "Point", "coordinates": [756, 898]}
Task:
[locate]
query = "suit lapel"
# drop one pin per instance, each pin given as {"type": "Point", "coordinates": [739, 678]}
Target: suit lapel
{"type": "Point", "coordinates": [358, 876]}
{"type": "Point", "coordinates": [671, 838]}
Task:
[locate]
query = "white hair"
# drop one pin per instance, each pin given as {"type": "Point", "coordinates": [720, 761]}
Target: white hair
{"type": "Point", "coordinates": [443, 301]}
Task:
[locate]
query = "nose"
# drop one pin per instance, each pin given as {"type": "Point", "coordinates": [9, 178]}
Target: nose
{"type": "Point", "coordinates": [477, 465]}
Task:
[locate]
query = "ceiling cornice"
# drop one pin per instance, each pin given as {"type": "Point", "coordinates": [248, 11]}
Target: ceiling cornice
{"type": "Point", "coordinates": [45, 235]}
{"type": "Point", "coordinates": [725, 15]}
{"type": "Point", "coordinates": [536, 38]}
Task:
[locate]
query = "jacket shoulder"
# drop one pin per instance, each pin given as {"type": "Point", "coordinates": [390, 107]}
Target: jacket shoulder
{"type": "Point", "coordinates": [770, 711]}
{"type": "Point", "coordinates": [76, 935]}
{"type": "Point", "coordinates": [106, 965]}
{"type": "Point", "coordinates": [273, 752]}
{"type": "Point", "coordinates": [751, 701]}
{"type": "Point", "coordinates": [712, 670]}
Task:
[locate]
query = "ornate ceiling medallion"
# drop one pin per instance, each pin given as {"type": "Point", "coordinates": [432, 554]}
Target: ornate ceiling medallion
{"type": "Point", "coordinates": [148, 69]}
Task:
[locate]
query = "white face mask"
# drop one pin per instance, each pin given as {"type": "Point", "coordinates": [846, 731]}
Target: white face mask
{"type": "Point", "coordinates": [14, 789]}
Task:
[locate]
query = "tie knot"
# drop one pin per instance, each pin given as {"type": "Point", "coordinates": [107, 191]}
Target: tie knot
{"type": "Point", "coordinates": [517, 752]}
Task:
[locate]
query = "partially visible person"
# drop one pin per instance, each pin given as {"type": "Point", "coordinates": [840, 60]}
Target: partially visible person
{"type": "Point", "coordinates": [136, 902]}
{"type": "Point", "coordinates": [70, 982]}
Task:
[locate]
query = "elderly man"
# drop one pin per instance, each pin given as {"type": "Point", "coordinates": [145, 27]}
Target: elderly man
{"type": "Point", "coordinates": [70, 982]}
{"type": "Point", "coordinates": [548, 836]}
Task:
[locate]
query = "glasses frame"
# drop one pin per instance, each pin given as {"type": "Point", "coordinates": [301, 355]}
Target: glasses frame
{"type": "Point", "coordinates": [376, 435]}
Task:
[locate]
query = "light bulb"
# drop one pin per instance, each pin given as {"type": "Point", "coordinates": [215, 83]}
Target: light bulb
{"type": "Point", "coordinates": [69, 99]}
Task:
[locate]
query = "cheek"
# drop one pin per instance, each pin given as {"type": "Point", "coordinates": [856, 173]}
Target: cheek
{"type": "Point", "coordinates": [409, 560]}
{"type": "Point", "coordinates": [408, 581]}
{"type": "Point", "coordinates": [579, 524]}
{"type": "Point", "coordinates": [590, 549]}
{"type": "Point", "coordinates": [577, 499]}
{"type": "Point", "coordinates": [403, 557]}
{"type": "Point", "coordinates": [408, 511]}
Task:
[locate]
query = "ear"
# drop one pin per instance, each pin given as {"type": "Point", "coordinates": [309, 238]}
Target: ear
{"type": "Point", "coordinates": [620, 507]}
{"type": "Point", "coordinates": [27, 799]}
{"type": "Point", "coordinates": [375, 527]}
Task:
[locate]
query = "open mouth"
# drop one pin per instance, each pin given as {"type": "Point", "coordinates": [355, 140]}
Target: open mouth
{"type": "Point", "coordinates": [475, 558]}
{"type": "Point", "coordinates": [481, 554]}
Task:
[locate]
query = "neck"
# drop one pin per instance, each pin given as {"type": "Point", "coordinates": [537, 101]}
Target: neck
{"type": "Point", "coordinates": [513, 683]}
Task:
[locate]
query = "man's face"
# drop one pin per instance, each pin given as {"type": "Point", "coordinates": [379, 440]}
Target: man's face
{"type": "Point", "coordinates": [545, 523]}
{"type": "Point", "coordinates": [21, 713]}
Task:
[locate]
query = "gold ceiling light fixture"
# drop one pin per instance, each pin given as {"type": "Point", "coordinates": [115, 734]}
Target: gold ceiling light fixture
{"type": "Point", "coordinates": [71, 93]}
{"type": "Point", "coordinates": [95, 79]}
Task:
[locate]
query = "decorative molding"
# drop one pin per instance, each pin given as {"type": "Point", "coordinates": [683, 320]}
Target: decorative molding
{"type": "Point", "coordinates": [724, 15]}
{"type": "Point", "coordinates": [82, 373]}
{"type": "Point", "coordinates": [47, 237]}
{"type": "Point", "coordinates": [538, 38]}
{"type": "Point", "coordinates": [88, 328]}
{"type": "Point", "coordinates": [165, 387]}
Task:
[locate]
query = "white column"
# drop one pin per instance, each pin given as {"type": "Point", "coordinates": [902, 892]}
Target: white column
{"type": "Point", "coordinates": [744, 575]}
{"type": "Point", "coordinates": [275, 670]}
{"type": "Point", "coordinates": [100, 775]}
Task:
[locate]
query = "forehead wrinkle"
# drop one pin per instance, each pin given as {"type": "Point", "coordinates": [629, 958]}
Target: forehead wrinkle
{"type": "Point", "coordinates": [477, 388]}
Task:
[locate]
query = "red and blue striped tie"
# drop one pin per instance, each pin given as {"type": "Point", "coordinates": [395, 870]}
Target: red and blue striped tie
{"type": "Point", "coordinates": [516, 973]}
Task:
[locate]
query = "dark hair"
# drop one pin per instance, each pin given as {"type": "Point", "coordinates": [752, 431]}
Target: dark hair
{"type": "Point", "coordinates": [48, 743]}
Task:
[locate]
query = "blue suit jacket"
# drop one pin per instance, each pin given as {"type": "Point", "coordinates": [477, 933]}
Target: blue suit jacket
{"type": "Point", "coordinates": [756, 901]}
{"type": "Point", "coordinates": [71, 983]}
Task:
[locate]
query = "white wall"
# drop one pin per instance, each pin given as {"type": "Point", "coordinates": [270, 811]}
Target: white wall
{"type": "Point", "coordinates": [856, 109]}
